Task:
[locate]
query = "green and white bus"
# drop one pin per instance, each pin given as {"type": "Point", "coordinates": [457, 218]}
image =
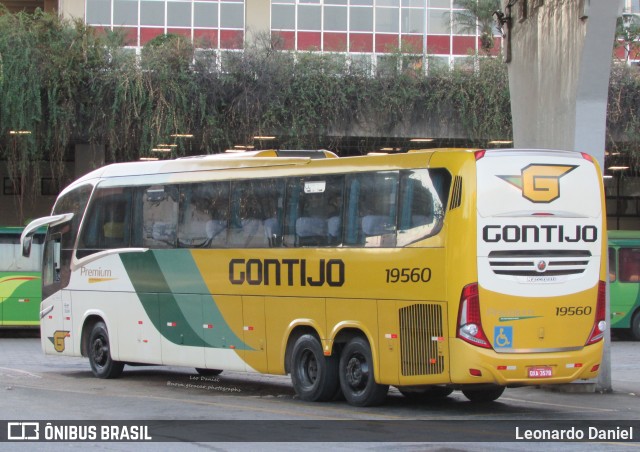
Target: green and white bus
{"type": "Point", "coordinates": [20, 280]}
{"type": "Point", "coordinates": [624, 280]}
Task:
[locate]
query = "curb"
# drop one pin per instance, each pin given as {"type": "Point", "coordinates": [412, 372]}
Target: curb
{"type": "Point", "coordinates": [572, 388]}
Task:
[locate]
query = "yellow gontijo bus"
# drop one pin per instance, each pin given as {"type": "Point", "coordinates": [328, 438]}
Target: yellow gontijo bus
{"type": "Point", "coordinates": [430, 271]}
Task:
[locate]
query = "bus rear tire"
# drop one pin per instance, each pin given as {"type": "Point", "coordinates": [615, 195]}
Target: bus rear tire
{"type": "Point", "coordinates": [314, 376]}
{"type": "Point", "coordinates": [483, 395]}
{"type": "Point", "coordinates": [99, 351]}
{"type": "Point", "coordinates": [635, 326]}
{"type": "Point", "coordinates": [357, 376]}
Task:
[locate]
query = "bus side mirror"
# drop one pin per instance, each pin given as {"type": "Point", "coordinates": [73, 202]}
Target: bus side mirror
{"type": "Point", "coordinates": [26, 246]}
{"type": "Point", "coordinates": [27, 234]}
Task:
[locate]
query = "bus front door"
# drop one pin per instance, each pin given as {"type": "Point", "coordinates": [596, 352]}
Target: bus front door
{"type": "Point", "coordinates": [55, 309]}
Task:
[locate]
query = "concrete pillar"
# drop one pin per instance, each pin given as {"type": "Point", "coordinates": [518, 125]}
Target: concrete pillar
{"type": "Point", "coordinates": [257, 19]}
{"type": "Point", "coordinates": [560, 61]}
{"type": "Point", "coordinates": [561, 53]}
{"type": "Point", "coordinates": [71, 9]}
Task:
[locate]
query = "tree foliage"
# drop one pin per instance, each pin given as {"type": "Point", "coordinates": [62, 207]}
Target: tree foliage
{"type": "Point", "coordinates": [66, 83]}
{"type": "Point", "coordinates": [477, 15]}
{"type": "Point", "coordinates": [623, 113]}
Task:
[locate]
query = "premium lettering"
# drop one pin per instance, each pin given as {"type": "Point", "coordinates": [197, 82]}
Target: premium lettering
{"type": "Point", "coordinates": [290, 272]}
{"type": "Point", "coordinates": [539, 234]}
{"type": "Point", "coordinates": [96, 272]}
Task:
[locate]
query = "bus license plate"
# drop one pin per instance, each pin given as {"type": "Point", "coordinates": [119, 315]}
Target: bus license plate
{"type": "Point", "coordinates": [540, 372]}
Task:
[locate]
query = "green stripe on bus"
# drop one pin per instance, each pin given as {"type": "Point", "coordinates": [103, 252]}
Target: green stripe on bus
{"type": "Point", "coordinates": [176, 299]}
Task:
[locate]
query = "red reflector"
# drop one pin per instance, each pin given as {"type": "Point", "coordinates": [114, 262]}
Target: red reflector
{"type": "Point", "coordinates": [587, 156]}
{"type": "Point", "coordinates": [502, 367]}
{"type": "Point", "coordinates": [599, 321]}
{"type": "Point", "coordinates": [475, 372]}
{"type": "Point", "coordinates": [595, 368]}
{"type": "Point", "coordinates": [139, 322]}
{"type": "Point", "coordinates": [577, 365]}
{"type": "Point", "coordinates": [479, 154]}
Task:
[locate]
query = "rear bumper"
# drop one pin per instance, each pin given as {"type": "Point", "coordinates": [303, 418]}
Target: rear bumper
{"type": "Point", "coordinates": [512, 369]}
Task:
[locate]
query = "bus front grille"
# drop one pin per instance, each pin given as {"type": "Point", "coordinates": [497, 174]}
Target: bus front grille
{"type": "Point", "coordinates": [539, 262]}
{"type": "Point", "coordinates": [420, 333]}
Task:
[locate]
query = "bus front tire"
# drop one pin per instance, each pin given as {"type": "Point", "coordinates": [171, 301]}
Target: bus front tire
{"type": "Point", "coordinates": [99, 351]}
{"type": "Point", "coordinates": [356, 375]}
{"type": "Point", "coordinates": [314, 376]}
{"type": "Point", "coordinates": [635, 326]}
{"type": "Point", "coordinates": [483, 395]}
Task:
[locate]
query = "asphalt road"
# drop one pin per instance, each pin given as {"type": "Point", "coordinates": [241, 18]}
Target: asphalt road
{"type": "Point", "coordinates": [264, 408]}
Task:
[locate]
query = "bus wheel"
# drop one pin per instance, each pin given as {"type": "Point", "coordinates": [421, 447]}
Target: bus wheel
{"type": "Point", "coordinates": [356, 375]}
{"type": "Point", "coordinates": [635, 326]}
{"type": "Point", "coordinates": [314, 376]}
{"type": "Point", "coordinates": [426, 394]}
{"type": "Point", "coordinates": [100, 360]}
{"type": "Point", "coordinates": [208, 372]}
{"type": "Point", "coordinates": [483, 395]}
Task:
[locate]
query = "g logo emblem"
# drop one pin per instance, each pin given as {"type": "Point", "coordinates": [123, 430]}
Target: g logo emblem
{"type": "Point", "coordinates": [58, 340]}
{"type": "Point", "coordinates": [540, 182]}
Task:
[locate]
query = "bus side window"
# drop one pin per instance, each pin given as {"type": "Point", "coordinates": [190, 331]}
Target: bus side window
{"type": "Point", "coordinates": [270, 196]}
{"type": "Point", "coordinates": [629, 264]}
{"type": "Point", "coordinates": [108, 221]}
{"type": "Point", "coordinates": [372, 209]}
{"type": "Point", "coordinates": [73, 202]}
{"type": "Point", "coordinates": [160, 216]}
{"type": "Point", "coordinates": [256, 212]}
{"type": "Point", "coordinates": [204, 214]}
{"type": "Point", "coordinates": [612, 265]}
{"type": "Point", "coordinates": [423, 197]}
{"type": "Point", "coordinates": [314, 211]}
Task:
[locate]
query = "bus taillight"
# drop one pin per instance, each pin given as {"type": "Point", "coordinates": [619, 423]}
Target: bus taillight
{"type": "Point", "coordinates": [469, 322]}
{"type": "Point", "coordinates": [599, 323]}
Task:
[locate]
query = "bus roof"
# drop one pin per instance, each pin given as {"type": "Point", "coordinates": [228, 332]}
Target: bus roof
{"type": "Point", "coordinates": [624, 236]}
{"type": "Point", "coordinates": [273, 159]}
{"type": "Point", "coordinates": [17, 230]}
{"type": "Point", "coordinates": [11, 230]}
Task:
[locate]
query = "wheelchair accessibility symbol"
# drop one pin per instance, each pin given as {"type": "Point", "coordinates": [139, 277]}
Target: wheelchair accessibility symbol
{"type": "Point", "coordinates": [503, 337]}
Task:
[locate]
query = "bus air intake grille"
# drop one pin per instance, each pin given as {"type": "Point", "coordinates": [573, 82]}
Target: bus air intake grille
{"type": "Point", "coordinates": [456, 193]}
{"type": "Point", "coordinates": [420, 332]}
{"type": "Point", "coordinates": [539, 262]}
